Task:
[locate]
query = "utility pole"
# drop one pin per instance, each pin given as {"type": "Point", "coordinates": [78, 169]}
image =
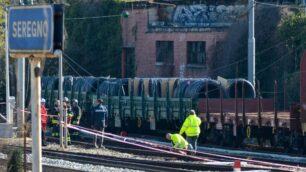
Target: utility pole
{"type": "Point", "coordinates": [59, 54]}
{"type": "Point", "coordinates": [251, 43]}
{"type": "Point", "coordinates": [20, 93]}
{"type": "Point", "coordinates": [304, 5]}
{"type": "Point", "coordinates": [9, 118]}
{"type": "Point", "coordinates": [20, 99]}
{"type": "Point", "coordinates": [36, 114]}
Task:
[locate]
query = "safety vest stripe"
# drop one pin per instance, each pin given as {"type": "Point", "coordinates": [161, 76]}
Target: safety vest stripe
{"type": "Point", "coordinates": [54, 121]}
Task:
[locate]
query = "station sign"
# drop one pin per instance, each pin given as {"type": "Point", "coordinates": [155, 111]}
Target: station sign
{"type": "Point", "coordinates": [31, 30]}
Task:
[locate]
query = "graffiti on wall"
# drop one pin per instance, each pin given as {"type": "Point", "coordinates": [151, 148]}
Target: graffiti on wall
{"type": "Point", "coordinates": [198, 16]}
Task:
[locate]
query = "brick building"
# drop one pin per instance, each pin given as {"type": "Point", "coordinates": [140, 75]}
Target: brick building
{"type": "Point", "coordinates": [174, 41]}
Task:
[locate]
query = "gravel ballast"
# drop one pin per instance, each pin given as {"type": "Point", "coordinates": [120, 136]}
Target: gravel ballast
{"type": "Point", "coordinates": [79, 166]}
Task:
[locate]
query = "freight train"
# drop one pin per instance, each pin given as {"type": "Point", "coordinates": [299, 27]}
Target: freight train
{"type": "Point", "coordinates": [232, 111]}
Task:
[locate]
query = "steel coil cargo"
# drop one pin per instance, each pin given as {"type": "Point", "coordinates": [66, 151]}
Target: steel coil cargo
{"type": "Point", "coordinates": [68, 82]}
{"type": "Point", "coordinates": [181, 87]}
{"type": "Point", "coordinates": [163, 84]}
{"type": "Point", "coordinates": [77, 84]}
{"type": "Point", "coordinates": [89, 84]}
{"type": "Point", "coordinates": [249, 90]}
{"type": "Point", "coordinates": [136, 84]}
{"type": "Point", "coordinates": [155, 84]}
{"type": "Point", "coordinates": [172, 85]}
{"type": "Point", "coordinates": [44, 82]}
{"type": "Point", "coordinates": [124, 86]}
{"type": "Point", "coordinates": [114, 87]}
{"type": "Point", "coordinates": [203, 88]}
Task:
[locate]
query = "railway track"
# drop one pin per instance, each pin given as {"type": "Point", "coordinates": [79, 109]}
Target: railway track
{"type": "Point", "coordinates": [137, 164]}
{"type": "Point", "coordinates": [47, 168]}
{"type": "Point", "coordinates": [248, 154]}
{"type": "Point", "coordinates": [153, 165]}
{"type": "Point", "coordinates": [211, 155]}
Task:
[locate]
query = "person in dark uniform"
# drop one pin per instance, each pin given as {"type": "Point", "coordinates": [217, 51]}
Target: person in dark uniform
{"type": "Point", "coordinates": [55, 112]}
{"type": "Point", "coordinates": [69, 113]}
{"type": "Point", "coordinates": [99, 117]}
{"type": "Point", "coordinates": [77, 114]}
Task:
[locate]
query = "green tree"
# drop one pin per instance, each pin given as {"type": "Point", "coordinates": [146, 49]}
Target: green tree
{"type": "Point", "coordinates": [15, 162]}
{"type": "Point", "coordinates": [95, 44]}
{"type": "Point", "coordinates": [293, 32]}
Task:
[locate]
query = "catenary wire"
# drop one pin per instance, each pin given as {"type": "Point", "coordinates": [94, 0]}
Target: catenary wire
{"type": "Point", "coordinates": [74, 62]}
{"type": "Point", "coordinates": [270, 65]}
{"type": "Point", "coordinates": [92, 17]}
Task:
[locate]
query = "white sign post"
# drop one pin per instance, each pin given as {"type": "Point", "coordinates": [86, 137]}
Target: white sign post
{"type": "Point", "coordinates": [36, 114]}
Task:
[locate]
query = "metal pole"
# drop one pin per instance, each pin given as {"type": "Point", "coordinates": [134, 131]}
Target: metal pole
{"type": "Point", "coordinates": [24, 148]}
{"type": "Point", "coordinates": [207, 105]}
{"type": "Point", "coordinates": [221, 106]}
{"type": "Point", "coordinates": [275, 106]}
{"type": "Point", "coordinates": [243, 105]}
{"type": "Point", "coordinates": [9, 118]}
{"type": "Point", "coordinates": [259, 104]}
{"type": "Point", "coordinates": [59, 53]}
{"type": "Point", "coordinates": [65, 127]}
{"type": "Point", "coordinates": [285, 83]}
{"type": "Point", "coordinates": [36, 114]}
{"type": "Point", "coordinates": [251, 43]}
{"type": "Point", "coordinates": [20, 93]}
{"type": "Point", "coordinates": [236, 105]}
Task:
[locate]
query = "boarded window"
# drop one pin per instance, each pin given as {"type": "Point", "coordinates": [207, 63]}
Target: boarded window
{"type": "Point", "coordinates": [196, 52]}
{"type": "Point", "coordinates": [164, 52]}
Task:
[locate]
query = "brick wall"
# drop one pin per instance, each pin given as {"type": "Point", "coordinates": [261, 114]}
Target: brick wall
{"type": "Point", "coordinates": [136, 34]}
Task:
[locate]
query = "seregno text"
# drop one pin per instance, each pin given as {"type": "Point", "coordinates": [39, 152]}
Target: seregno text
{"type": "Point", "coordinates": [30, 29]}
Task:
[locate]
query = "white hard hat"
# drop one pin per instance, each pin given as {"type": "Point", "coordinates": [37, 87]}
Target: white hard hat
{"type": "Point", "coordinates": [75, 100]}
{"type": "Point", "coordinates": [43, 100]}
{"type": "Point", "coordinates": [66, 99]}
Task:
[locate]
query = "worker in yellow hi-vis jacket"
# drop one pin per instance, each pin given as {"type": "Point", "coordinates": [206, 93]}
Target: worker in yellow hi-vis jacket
{"type": "Point", "coordinates": [178, 141]}
{"type": "Point", "coordinates": [191, 127]}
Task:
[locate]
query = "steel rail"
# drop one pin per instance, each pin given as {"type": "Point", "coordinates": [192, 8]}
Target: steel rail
{"type": "Point", "coordinates": [137, 164]}
{"type": "Point", "coordinates": [139, 151]}
{"type": "Point", "coordinates": [286, 162]}
{"type": "Point", "coordinates": [46, 168]}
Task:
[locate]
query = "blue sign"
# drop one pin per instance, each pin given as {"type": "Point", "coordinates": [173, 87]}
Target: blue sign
{"type": "Point", "coordinates": [31, 29]}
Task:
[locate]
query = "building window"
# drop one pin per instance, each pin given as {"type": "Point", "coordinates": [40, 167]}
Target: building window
{"type": "Point", "coordinates": [196, 52]}
{"type": "Point", "coordinates": [164, 52]}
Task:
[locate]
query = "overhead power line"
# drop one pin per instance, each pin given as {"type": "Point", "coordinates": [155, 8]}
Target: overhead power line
{"type": "Point", "coordinates": [93, 17]}
{"type": "Point", "coordinates": [272, 64]}
{"type": "Point", "coordinates": [75, 63]}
